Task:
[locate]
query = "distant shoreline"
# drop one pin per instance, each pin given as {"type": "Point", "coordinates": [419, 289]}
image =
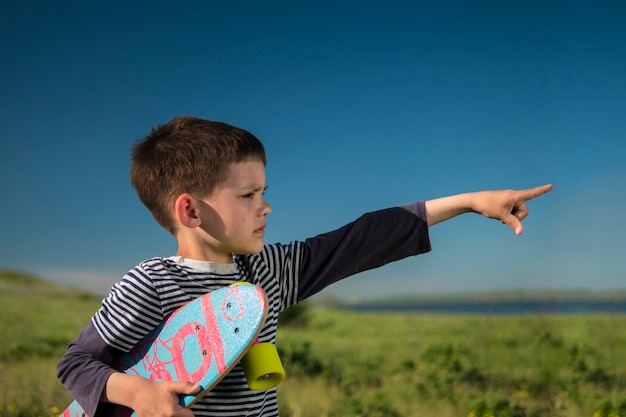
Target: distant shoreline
{"type": "Point", "coordinates": [496, 305]}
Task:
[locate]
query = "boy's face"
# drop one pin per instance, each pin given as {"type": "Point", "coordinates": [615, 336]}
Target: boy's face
{"type": "Point", "coordinates": [233, 217]}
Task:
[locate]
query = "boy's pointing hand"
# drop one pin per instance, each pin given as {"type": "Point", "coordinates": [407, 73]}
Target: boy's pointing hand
{"type": "Point", "coordinates": [508, 206]}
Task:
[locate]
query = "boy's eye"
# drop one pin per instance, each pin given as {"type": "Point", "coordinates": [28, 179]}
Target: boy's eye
{"type": "Point", "coordinates": [253, 193]}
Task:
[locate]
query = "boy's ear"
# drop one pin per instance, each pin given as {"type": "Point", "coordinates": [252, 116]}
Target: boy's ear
{"type": "Point", "coordinates": [186, 209]}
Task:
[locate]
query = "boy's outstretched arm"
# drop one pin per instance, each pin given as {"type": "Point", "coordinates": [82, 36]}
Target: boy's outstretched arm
{"type": "Point", "coordinates": [508, 206]}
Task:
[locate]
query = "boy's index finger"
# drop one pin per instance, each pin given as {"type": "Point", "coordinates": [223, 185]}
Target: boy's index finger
{"type": "Point", "coordinates": [535, 192]}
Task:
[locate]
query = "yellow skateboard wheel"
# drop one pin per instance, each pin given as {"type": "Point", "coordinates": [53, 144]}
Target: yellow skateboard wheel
{"type": "Point", "coordinates": [262, 367]}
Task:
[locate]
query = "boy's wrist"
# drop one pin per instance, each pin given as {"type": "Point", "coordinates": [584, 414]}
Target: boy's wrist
{"type": "Point", "coordinates": [441, 209]}
{"type": "Point", "coordinates": [125, 389]}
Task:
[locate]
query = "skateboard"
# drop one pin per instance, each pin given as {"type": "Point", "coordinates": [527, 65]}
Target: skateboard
{"type": "Point", "coordinates": [201, 342]}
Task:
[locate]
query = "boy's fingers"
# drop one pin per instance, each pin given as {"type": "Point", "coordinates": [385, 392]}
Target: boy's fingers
{"type": "Point", "coordinates": [520, 211]}
{"type": "Point", "coordinates": [181, 387]}
{"type": "Point", "coordinates": [514, 223]}
{"type": "Point", "coordinates": [535, 192]}
{"type": "Point", "coordinates": [184, 387]}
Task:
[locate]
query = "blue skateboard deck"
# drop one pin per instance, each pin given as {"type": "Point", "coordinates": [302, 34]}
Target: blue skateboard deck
{"type": "Point", "coordinates": [200, 342]}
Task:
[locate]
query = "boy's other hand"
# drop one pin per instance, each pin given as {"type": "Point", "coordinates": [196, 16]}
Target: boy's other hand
{"type": "Point", "coordinates": [164, 402]}
{"type": "Point", "coordinates": [148, 398]}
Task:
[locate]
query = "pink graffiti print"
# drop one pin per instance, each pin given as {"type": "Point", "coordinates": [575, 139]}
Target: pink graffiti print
{"type": "Point", "coordinates": [209, 339]}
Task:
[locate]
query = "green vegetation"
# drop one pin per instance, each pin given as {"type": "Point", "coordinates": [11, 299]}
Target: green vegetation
{"type": "Point", "coordinates": [37, 321]}
{"type": "Point", "coordinates": [362, 364]}
{"type": "Point", "coordinates": [356, 364]}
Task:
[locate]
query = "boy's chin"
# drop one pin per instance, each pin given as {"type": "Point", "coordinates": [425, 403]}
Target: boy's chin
{"type": "Point", "coordinates": [249, 251]}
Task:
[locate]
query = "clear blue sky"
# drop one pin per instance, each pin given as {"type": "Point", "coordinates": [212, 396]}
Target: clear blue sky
{"type": "Point", "coordinates": [361, 106]}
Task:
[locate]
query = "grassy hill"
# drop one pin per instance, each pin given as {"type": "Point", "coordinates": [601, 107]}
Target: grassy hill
{"type": "Point", "coordinates": [37, 321]}
{"type": "Point", "coordinates": [364, 364]}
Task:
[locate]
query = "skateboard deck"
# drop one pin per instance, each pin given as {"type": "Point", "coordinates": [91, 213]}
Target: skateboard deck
{"type": "Point", "coordinates": [200, 342]}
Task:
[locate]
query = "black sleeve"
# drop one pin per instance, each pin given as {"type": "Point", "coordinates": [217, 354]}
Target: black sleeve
{"type": "Point", "coordinates": [84, 369]}
{"type": "Point", "coordinates": [373, 240]}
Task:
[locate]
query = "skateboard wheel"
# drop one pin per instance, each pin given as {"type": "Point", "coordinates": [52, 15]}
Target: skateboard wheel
{"type": "Point", "coordinates": [262, 367]}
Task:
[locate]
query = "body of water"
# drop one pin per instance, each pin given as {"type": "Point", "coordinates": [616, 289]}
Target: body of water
{"type": "Point", "coordinates": [551, 306]}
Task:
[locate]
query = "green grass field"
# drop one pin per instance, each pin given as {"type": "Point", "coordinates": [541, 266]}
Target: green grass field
{"type": "Point", "coordinates": [358, 364]}
{"type": "Point", "coordinates": [37, 320]}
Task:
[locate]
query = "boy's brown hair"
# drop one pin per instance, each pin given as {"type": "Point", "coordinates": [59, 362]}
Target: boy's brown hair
{"type": "Point", "coordinates": [187, 155]}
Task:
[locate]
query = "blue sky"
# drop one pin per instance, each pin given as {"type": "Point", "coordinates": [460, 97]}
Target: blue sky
{"type": "Point", "coordinates": [361, 106]}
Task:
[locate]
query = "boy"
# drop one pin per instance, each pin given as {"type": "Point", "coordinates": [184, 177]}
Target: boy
{"type": "Point", "coordinates": [203, 182]}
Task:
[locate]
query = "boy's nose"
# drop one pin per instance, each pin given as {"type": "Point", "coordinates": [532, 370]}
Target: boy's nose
{"type": "Point", "coordinates": [267, 209]}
